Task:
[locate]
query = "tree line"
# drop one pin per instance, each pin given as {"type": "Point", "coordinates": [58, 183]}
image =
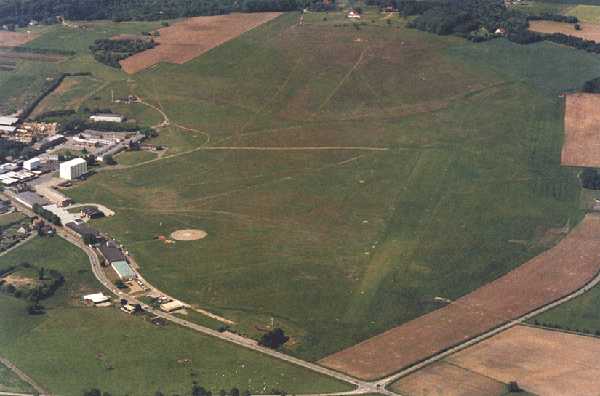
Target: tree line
{"type": "Point", "coordinates": [110, 52]}
{"type": "Point", "coordinates": [21, 12]}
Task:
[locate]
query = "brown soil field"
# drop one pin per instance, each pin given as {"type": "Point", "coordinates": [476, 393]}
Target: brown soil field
{"type": "Point", "coordinates": [589, 31]}
{"type": "Point", "coordinates": [553, 274]}
{"type": "Point", "coordinates": [582, 130]}
{"type": "Point", "coordinates": [14, 39]}
{"type": "Point", "coordinates": [448, 380]}
{"type": "Point", "coordinates": [188, 39]}
{"type": "Point", "coordinates": [543, 362]}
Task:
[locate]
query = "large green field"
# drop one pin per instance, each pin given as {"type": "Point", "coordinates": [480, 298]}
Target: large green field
{"type": "Point", "coordinates": [73, 347]}
{"type": "Point", "coordinates": [338, 245]}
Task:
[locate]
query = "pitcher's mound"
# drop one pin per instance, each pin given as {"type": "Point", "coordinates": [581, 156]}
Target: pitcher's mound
{"type": "Point", "coordinates": [188, 235]}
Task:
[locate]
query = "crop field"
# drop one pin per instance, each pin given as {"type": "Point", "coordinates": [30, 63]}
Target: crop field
{"type": "Point", "coordinates": [581, 130]}
{"type": "Point", "coordinates": [446, 379]}
{"type": "Point", "coordinates": [113, 346]}
{"type": "Point", "coordinates": [523, 354]}
{"type": "Point", "coordinates": [589, 31]}
{"type": "Point", "coordinates": [190, 38]}
{"type": "Point", "coordinates": [15, 39]}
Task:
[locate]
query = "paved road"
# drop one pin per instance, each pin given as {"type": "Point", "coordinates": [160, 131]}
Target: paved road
{"type": "Point", "coordinates": [23, 377]}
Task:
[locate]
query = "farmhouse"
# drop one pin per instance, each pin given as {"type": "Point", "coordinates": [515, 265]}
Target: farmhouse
{"type": "Point", "coordinates": [123, 270]}
{"type": "Point", "coordinates": [83, 230]}
{"type": "Point", "coordinates": [73, 169]}
{"type": "Point", "coordinates": [111, 252]}
{"type": "Point", "coordinates": [28, 199]}
{"type": "Point", "coordinates": [106, 117]}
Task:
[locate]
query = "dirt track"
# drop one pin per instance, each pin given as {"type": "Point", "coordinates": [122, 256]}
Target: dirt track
{"type": "Point", "coordinates": [582, 127]}
{"type": "Point", "coordinates": [547, 277]}
{"type": "Point", "coordinates": [188, 39]}
{"type": "Point", "coordinates": [14, 39]}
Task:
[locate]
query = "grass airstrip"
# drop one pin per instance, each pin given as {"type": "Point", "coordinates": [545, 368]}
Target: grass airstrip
{"type": "Point", "coordinates": [453, 176]}
{"type": "Point", "coordinates": [73, 347]}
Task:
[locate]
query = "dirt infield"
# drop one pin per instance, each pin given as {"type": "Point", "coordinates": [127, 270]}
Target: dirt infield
{"type": "Point", "coordinates": [543, 362]}
{"type": "Point", "coordinates": [192, 37]}
{"type": "Point", "coordinates": [589, 31]}
{"type": "Point", "coordinates": [582, 127]}
{"type": "Point", "coordinates": [449, 380]}
{"type": "Point", "coordinates": [545, 278]}
{"type": "Point", "coordinates": [14, 39]}
{"type": "Point", "coordinates": [188, 235]}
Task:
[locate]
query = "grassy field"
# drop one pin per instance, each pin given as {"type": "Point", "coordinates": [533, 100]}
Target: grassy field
{"type": "Point", "coordinates": [338, 245]}
{"type": "Point", "coordinates": [580, 314]}
{"type": "Point", "coordinates": [9, 382]}
{"type": "Point", "coordinates": [111, 347]}
{"type": "Point", "coordinates": [586, 13]}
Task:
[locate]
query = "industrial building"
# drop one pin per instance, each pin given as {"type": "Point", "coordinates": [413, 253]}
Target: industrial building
{"type": "Point", "coordinates": [28, 199]}
{"type": "Point", "coordinates": [8, 128]}
{"type": "Point", "coordinates": [11, 121]}
{"type": "Point", "coordinates": [123, 270]}
{"type": "Point", "coordinates": [32, 164]}
{"type": "Point", "coordinates": [73, 169]}
{"type": "Point", "coordinates": [106, 117]}
{"type": "Point", "coordinates": [49, 142]}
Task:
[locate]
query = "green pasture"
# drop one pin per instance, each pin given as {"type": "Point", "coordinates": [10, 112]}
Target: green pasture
{"type": "Point", "coordinates": [339, 245]}
{"type": "Point", "coordinates": [9, 382]}
{"type": "Point", "coordinates": [73, 347]}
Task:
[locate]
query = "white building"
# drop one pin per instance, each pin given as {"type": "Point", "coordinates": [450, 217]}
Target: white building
{"type": "Point", "coordinates": [8, 120]}
{"type": "Point", "coordinates": [7, 128]}
{"type": "Point", "coordinates": [32, 164]}
{"type": "Point", "coordinates": [73, 169]}
{"type": "Point", "coordinates": [96, 298]}
{"type": "Point", "coordinates": [106, 118]}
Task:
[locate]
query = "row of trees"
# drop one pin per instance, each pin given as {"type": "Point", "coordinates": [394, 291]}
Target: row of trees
{"type": "Point", "coordinates": [21, 12]}
{"type": "Point", "coordinates": [546, 16]}
{"type": "Point", "coordinates": [46, 214]}
{"type": "Point", "coordinates": [110, 52]}
{"type": "Point", "coordinates": [197, 390]}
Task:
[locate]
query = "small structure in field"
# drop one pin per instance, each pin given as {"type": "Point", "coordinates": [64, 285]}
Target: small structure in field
{"type": "Point", "coordinates": [353, 15]}
{"type": "Point", "coordinates": [172, 306]}
{"type": "Point", "coordinates": [96, 298]}
{"type": "Point", "coordinates": [106, 117]}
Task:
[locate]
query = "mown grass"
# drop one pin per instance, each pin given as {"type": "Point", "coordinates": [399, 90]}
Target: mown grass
{"type": "Point", "coordinates": [339, 246]}
{"type": "Point", "coordinates": [586, 13]}
{"type": "Point", "coordinates": [74, 347]}
{"type": "Point", "coordinates": [9, 382]}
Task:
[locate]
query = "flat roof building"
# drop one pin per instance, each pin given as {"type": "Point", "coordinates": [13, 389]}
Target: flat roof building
{"type": "Point", "coordinates": [96, 298]}
{"type": "Point", "coordinates": [8, 120]}
{"type": "Point", "coordinates": [32, 164]}
{"type": "Point", "coordinates": [7, 128]}
{"type": "Point", "coordinates": [28, 199]}
{"type": "Point", "coordinates": [123, 270]}
{"type": "Point", "coordinates": [82, 229]}
{"type": "Point", "coordinates": [106, 117]}
{"type": "Point", "coordinates": [73, 169]}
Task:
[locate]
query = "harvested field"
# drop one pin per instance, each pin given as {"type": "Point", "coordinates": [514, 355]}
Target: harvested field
{"type": "Point", "coordinates": [582, 130]}
{"type": "Point", "coordinates": [14, 39]}
{"type": "Point", "coordinates": [188, 235]}
{"type": "Point", "coordinates": [589, 31]}
{"type": "Point", "coordinates": [450, 380]}
{"type": "Point", "coordinates": [547, 277]}
{"type": "Point", "coordinates": [543, 362]}
{"type": "Point", "coordinates": [191, 38]}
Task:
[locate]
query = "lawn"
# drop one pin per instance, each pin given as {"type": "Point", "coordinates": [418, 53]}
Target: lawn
{"type": "Point", "coordinates": [74, 347]}
{"type": "Point", "coordinates": [580, 314]}
{"type": "Point", "coordinates": [339, 245]}
{"type": "Point", "coordinates": [9, 382]}
{"type": "Point", "coordinates": [586, 13]}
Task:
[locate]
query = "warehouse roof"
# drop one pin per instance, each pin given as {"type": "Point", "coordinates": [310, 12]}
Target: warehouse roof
{"type": "Point", "coordinates": [111, 252]}
{"type": "Point", "coordinates": [8, 120]}
{"type": "Point", "coordinates": [96, 298]}
{"type": "Point", "coordinates": [29, 199]}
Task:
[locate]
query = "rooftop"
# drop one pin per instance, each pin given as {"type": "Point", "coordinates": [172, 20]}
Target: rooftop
{"type": "Point", "coordinates": [123, 269]}
{"type": "Point", "coordinates": [111, 252]}
{"type": "Point", "coordinates": [30, 198]}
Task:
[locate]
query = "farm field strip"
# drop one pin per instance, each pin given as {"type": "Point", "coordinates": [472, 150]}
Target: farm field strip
{"type": "Point", "coordinates": [582, 142]}
{"type": "Point", "coordinates": [553, 274]}
{"type": "Point", "coordinates": [188, 39]}
{"type": "Point", "coordinates": [589, 31]}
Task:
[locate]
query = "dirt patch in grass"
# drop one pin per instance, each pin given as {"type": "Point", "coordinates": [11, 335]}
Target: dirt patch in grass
{"type": "Point", "coordinates": [541, 361]}
{"type": "Point", "coordinates": [188, 39]}
{"type": "Point", "coordinates": [14, 39]}
{"type": "Point", "coordinates": [18, 281]}
{"type": "Point", "coordinates": [582, 123]}
{"type": "Point", "coordinates": [447, 379]}
{"type": "Point", "coordinates": [188, 235]}
{"type": "Point", "coordinates": [589, 31]}
{"type": "Point", "coordinates": [547, 277]}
